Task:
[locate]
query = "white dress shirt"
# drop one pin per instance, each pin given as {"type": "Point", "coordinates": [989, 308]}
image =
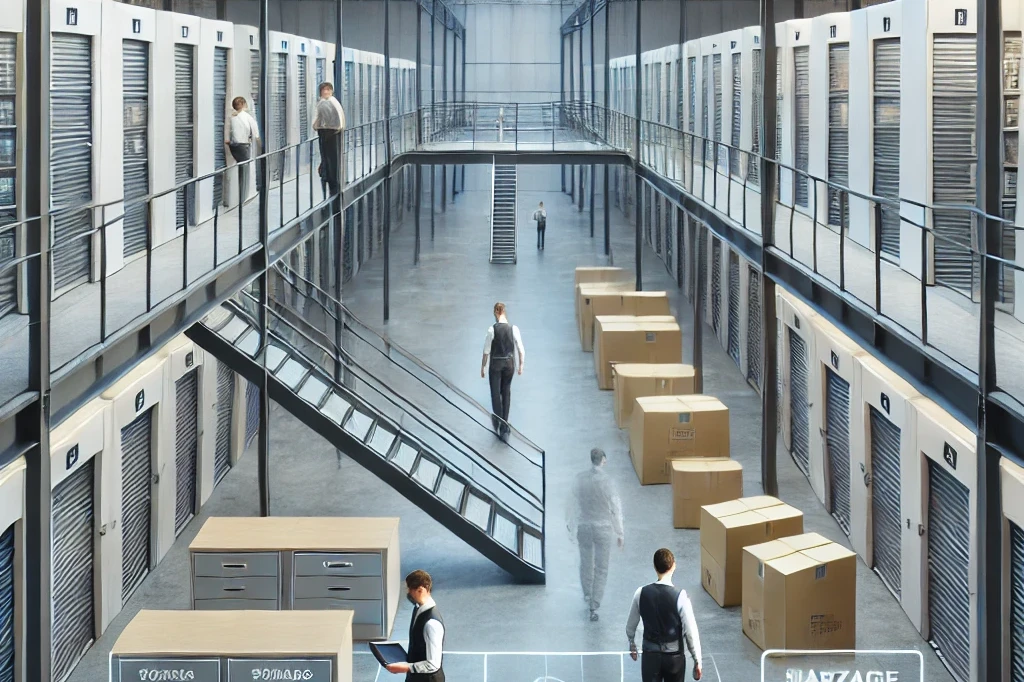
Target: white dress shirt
{"type": "Point", "coordinates": [244, 129]}
{"type": "Point", "coordinates": [328, 115]}
{"type": "Point", "coordinates": [489, 339]}
{"type": "Point", "coordinates": [433, 633]}
{"type": "Point", "coordinates": [689, 633]}
{"type": "Point", "coordinates": [595, 503]}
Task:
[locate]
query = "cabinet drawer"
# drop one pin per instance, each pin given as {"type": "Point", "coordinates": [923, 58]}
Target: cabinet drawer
{"type": "Point", "coordinates": [235, 605]}
{"type": "Point", "coordinates": [235, 588]}
{"type": "Point", "coordinates": [325, 587]}
{"type": "Point", "coordinates": [337, 564]}
{"type": "Point", "coordinates": [236, 565]}
{"type": "Point", "coordinates": [367, 612]}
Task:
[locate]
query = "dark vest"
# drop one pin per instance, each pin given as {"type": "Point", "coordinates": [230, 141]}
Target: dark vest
{"type": "Point", "coordinates": [659, 609]}
{"type": "Point", "coordinates": [504, 344]}
{"type": "Point", "coordinates": [418, 646]}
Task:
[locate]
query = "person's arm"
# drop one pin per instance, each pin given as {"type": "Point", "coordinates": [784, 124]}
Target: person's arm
{"type": "Point", "coordinates": [633, 620]}
{"type": "Point", "coordinates": [615, 505]}
{"type": "Point", "coordinates": [572, 509]}
{"type": "Point", "coordinates": [341, 115]}
{"type": "Point", "coordinates": [255, 128]}
{"type": "Point", "coordinates": [433, 633]}
{"type": "Point", "coordinates": [690, 633]}
{"type": "Point", "coordinates": [519, 347]}
{"type": "Point", "coordinates": [487, 350]}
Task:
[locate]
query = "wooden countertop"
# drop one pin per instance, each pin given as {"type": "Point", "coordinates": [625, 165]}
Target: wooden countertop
{"type": "Point", "coordinates": [236, 633]}
{"type": "Point", "coordinates": [278, 533]}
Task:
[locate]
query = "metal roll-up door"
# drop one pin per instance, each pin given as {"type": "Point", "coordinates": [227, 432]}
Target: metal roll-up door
{"type": "Point", "coordinates": [72, 556]}
{"type": "Point", "coordinates": [252, 412]}
{"type": "Point", "coordinates": [838, 129]}
{"type": "Point", "coordinates": [837, 445]}
{"type": "Point", "coordinates": [670, 239]}
{"type": "Point", "coordinates": [303, 107]}
{"type": "Point", "coordinates": [7, 605]}
{"type": "Point", "coordinates": [8, 169]}
{"type": "Point", "coordinates": [716, 65]}
{"type": "Point", "coordinates": [754, 328]}
{"type": "Point", "coordinates": [349, 244]}
{"type": "Point", "coordinates": [136, 144]}
{"type": "Point", "coordinates": [680, 93]}
{"type": "Point", "coordinates": [885, 500]}
{"type": "Point", "coordinates": [186, 440]}
{"type": "Point", "coordinates": [680, 247]}
{"type": "Point", "coordinates": [71, 156]}
{"type": "Point", "coordinates": [1016, 602]}
{"type": "Point", "coordinates": [136, 501]}
{"type": "Point", "coordinates": [254, 84]}
{"type": "Point", "coordinates": [705, 130]}
{"type": "Point", "coordinates": [949, 551]}
{"type": "Point", "coordinates": [184, 132]}
{"type": "Point", "coordinates": [799, 407]}
{"type": "Point", "coordinates": [278, 113]}
{"type": "Point", "coordinates": [220, 98]}
{"type": "Point", "coordinates": [1013, 46]}
{"type": "Point", "coordinates": [716, 283]}
{"type": "Point", "coordinates": [692, 66]}
{"type": "Point", "coordinates": [733, 344]}
{"type": "Point", "coordinates": [657, 222]}
{"type": "Point", "coordinates": [321, 71]}
{"type": "Point", "coordinates": [225, 408]}
{"type": "Point", "coordinates": [778, 109]}
{"type": "Point", "coordinates": [954, 155]}
{"type": "Point", "coordinates": [887, 138]}
{"type": "Point", "coordinates": [802, 116]}
{"type": "Point", "coordinates": [702, 267]}
{"type": "Point", "coordinates": [754, 168]}
{"type": "Point", "coordinates": [737, 114]}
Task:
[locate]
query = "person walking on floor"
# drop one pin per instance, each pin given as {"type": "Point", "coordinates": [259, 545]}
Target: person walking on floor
{"type": "Point", "coordinates": [329, 123]}
{"type": "Point", "coordinates": [668, 624]}
{"type": "Point", "coordinates": [426, 633]}
{"type": "Point", "coordinates": [541, 216]}
{"type": "Point", "coordinates": [595, 519]}
{"type": "Point", "coordinates": [502, 343]}
{"type": "Point", "coordinates": [243, 133]}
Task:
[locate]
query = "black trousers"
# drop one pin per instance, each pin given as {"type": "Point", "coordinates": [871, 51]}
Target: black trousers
{"type": "Point", "coordinates": [658, 667]}
{"type": "Point", "coordinates": [501, 372]}
{"type": "Point", "coordinates": [241, 153]}
{"type": "Point", "coordinates": [330, 159]}
{"type": "Point", "coordinates": [540, 237]}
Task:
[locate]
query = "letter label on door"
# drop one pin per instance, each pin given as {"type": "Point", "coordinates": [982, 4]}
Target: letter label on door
{"type": "Point", "coordinates": [190, 358]}
{"type": "Point", "coordinates": [832, 31]}
{"type": "Point", "coordinates": [72, 16]}
{"type": "Point", "coordinates": [886, 24]}
{"type": "Point", "coordinates": [184, 31]}
{"type": "Point", "coordinates": [140, 400]}
{"type": "Point", "coordinates": [71, 458]}
{"type": "Point", "coordinates": [136, 26]}
{"type": "Point", "coordinates": [949, 454]}
{"type": "Point", "coordinates": [960, 17]}
{"type": "Point", "coordinates": [884, 400]}
{"type": "Point", "coordinates": [835, 360]}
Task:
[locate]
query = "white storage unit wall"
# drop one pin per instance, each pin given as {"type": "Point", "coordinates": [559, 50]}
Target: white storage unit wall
{"type": "Point", "coordinates": [213, 85]}
{"type": "Point", "coordinates": [301, 126]}
{"type": "Point", "coordinates": [799, 374]}
{"type": "Point", "coordinates": [784, 112]}
{"type": "Point", "coordinates": [279, 81]}
{"type": "Point", "coordinates": [693, 101]}
{"type": "Point", "coordinates": [750, 105]}
{"type": "Point", "coordinates": [734, 101]}
{"type": "Point", "coordinates": [244, 67]}
{"type": "Point", "coordinates": [12, 571]}
{"type": "Point", "coordinates": [795, 51]}
{"type": "Point", "coordinates": [829, 112]}
{"type": "Point", "coordinates": [1011, 484]}
{"type": "Point", "coordinates": [12, 107]}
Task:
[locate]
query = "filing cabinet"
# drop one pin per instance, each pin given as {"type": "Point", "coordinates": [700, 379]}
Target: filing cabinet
{"type": "Point", "coordinates": [309, 563]}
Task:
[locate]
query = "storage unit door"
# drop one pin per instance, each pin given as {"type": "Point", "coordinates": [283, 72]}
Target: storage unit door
{"type": "Point", "coordinates": [72, 557]}
{"type": "Point", "coordinates": [778, 109]}
{"type": "Point", "coordinates": [220, 98]}
{"type": "Point", "coordinates": [184, 132]}
{"type": "Point", "coordinates": [799, 408]}
{"type": "Point", "coordinates": [754, 164]}
{"type": "Point", "coordinates": [71, 156]}
{"type": "Point", "coordinates": [186, 439]}
{"type": "Point", "coordinates": [680, 247]}
{"type": "Point", "coordinates": [8, 168]}
{"type": "Point", "coordinates": [954, 84]}
{"type": "Point", "coordinates": [949, 547]}
{"type": "Point", "coordinates": [737, 117]}
{"type": "Point", "coordinates": [252, 412]}
{"type": "Point", "coordinates": [887, 139]}
{"type": "Point", "coordinates": [692, 66]}
{"type": "Point", "coordinates": [733, 344]}
{"type": "Point", "coordinates": [702, 267]}
{"type": "Point", "coordinates": [303, 108]}
{"type": "Point", "coordinates": [225, 405]}
{"type": "Point", "coordinates": [838, 129]}
{"type": "Point", "coordinates": [350, 244]}
{"type": "Point", "coordinates": [716, 283]}
{"type": "Point", "coordinates": [801, 85]}
{"type": "Point", "coordinates": [717, 75]}
{"type": "Point", "coordinates": [837, 445]}
{"type": "Point", "coordinates": [657, 221]}
{"type": "Point", "coordinates": [885, 500]}
{"type": "Point", "coordinates": [7, 610]}
{"type": "Point", "coordinates": [754, 328]}
{"type": "Point", "coordinates": [278, 113]}
{"type": "Point", "coordinates": [705, 130]}
{"type": "Point", "coordinates": [136, 144]}
{"type": "Point", "coordinates": [254, 84]}
{"type": "Point", "coordinates": [136, 501]}
{"type": "Point", "coordinates": [1016, 602]}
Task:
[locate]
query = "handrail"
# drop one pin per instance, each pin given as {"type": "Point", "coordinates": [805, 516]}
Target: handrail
{"type": "Point", "coordinates": [494, 197]}
{"type": "Point", "coordinates": [515, 217]}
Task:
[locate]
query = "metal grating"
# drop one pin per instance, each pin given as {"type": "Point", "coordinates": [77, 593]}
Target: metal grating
{"type": "Point", "coordinates": [136, 502]}
{"type": "Point", "coordinates": [278, 114]}
{"type": "Point", "coordinates": [754, 167]}
{"type": "Point", "coordinates": [885, 500]}
{"type": "Point", "coordinates": [737, 114]}
{"type": "Point", "coordinates": [135, 164]}
{"type": "Point", "coordinates": [225, 408]}
{"type": "Point", "coordinates": [1013, 45]}
{"type": "Point", "coordinates": [799, 403]}
{"type": "Point", "coordinates": [692, 66]}
{"type": "Point", "coordinates": [754, 328]}
{"type": "Point", "coordinates": [886, 119]}
{"type": "Point", "coordinates": [8, 169]}
{"type": "Point", "coordinates": [705, 125]}
{"type": "Point", "coordinates": [702, 267]}
{"type": "Point", "coordinates": [254, 84]}
{"type": "Point", "coordinates": [304, 129]}
{"type": "Point", "coordinates": [186, 441]}
{"type": "Point", "coordinates": [778, 108]}
{"type": "Point", "coordinates": [184, 132]}
{"type": "Point", "coordinates": [220, 98]}
{"type": "Point", "coordinates": [716, 284]}
{"type": "Point", "coordinates": [8, 608]}
{"type": "Point", "coordinates": [838, 129]}
{"type": "Point", "coordinates": [802, 123]}
{"type": "Point", "coordinates": [718, 136]}
{"type": "Point", "coordinates": [837, 446]}
{"type": "Point", "coordinates": [733, 344]}
{"type": "Point", "coordinates": [252, 412]}
{"type": "Point", "coordinates": [1016, 598]}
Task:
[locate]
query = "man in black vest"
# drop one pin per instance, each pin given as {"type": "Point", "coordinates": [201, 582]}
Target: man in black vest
{"type": "Point", "coordinates": [668, 623]}
{"type": "Point", "coordinates": [502, 344]}
{"type": "Point", "coordinates": [426, 633]}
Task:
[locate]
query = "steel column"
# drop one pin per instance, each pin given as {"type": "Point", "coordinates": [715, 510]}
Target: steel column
{"type": "Point", "coordinates": [444, 101]}
{"type": "Point", "coordinates": [433, 111]}
{"type": "Point", "coordinates": [698, 316]}
{"type": "Point", "coordinates": [572, 99]}
{"type": "Point", "coordinates": [637, 100]}
{"type": "Point", "coordinates": [263, 435]}
{"type": "Point", "coordinates": [419, 202]}
{"type": "Point", "coordinates": [463, 113]}
{"type": "Point", "coordinates": [387, 160]}
{"type": "Point", "coordinates": [419, 81]}
{"type": "Point", "coordinates": [607, 213]}
{"type": "Point", "coordinates": [583, 98]}
{"type": "Point", "coordinates": [455, 105]}
{"type": "Point", "coordinates": [590, 114]}
{"type": "Point", "coordinates": [561, 93]}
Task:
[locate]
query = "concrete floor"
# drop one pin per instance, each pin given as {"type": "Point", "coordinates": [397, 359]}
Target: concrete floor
{"type": "Point", "coordinates": [440, 310]}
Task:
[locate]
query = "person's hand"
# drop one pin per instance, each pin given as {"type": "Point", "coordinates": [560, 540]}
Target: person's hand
{"type": "Point", "coordinates": [697, 672]}
{"type": "Point", "coordinates": [398, 668]}
{"type": "Point", "coordinates": [632, 651]}
{"type": "Point", "coordinates": [622, 541]}
{"type": "Point", "coordinates": [483, 373]}
{"type": "Point", "coordinates": [520, 370]}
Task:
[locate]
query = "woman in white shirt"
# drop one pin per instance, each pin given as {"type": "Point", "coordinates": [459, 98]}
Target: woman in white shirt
{"type": "Point", "coordinates": [243, 133]}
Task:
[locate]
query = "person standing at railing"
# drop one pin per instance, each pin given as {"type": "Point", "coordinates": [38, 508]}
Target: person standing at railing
{"type": "Point", "coordinates": [329, 124]}
{"type": "Point", "coordinates": [541, 216]}
{"type": "Point", "coordinates": [243, 133]}
{"type": "Point", "coordinates": [503, 342]}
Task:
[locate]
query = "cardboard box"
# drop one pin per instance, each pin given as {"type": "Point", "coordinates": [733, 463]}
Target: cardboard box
{"type": "Point", "coordinates": [602, 301]}
{"type": "Point", "coordinates": [726, 528]}
{"type": "Point", "coordinates": [636, 339]}
{"type": "Point", "coordinates": [699, 481]}
{"type": "Point", "coordinates": [595, 275]}
{"type": "Point", "coordinates": [663, 428]}
{"type": "Point", "coordinates": [800, 593]}
{"type": "Point", "coordinates": [582, 290]}
{"type": "Point", "coordinates": [634, 381]}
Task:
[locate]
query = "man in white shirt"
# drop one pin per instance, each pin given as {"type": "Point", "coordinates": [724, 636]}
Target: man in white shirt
{"type": "Point", "coordinates": [668, 622]}
{"type": "Point", "coordinates": [541, 216]}
{"type": "Point", "coordinates": [329, 123]}
{"type": "Point", "coordinates": [503, 341]}
{"type": "Point", "coordinates": [243, 132]}
{"type": "Point", "coordinates": [426, 633]}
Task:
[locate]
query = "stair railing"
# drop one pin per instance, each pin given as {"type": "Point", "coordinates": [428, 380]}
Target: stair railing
{"type": "Point", "coordinates": [515, 217]}
{"type": "Point", "coordinates": [494, 197]}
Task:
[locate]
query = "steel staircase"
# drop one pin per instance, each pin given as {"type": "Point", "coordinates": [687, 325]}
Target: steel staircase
{"type": "Point", "coordinates": [384, 409]}
{"type": "Point", "coordinates": [503, 214]}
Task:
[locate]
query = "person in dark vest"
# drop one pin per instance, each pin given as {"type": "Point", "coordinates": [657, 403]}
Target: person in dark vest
{"type": "Point", "coordinates": [502, 344]}
{"type": "Point", "coordinates": [668, 625]}
{"type": "Point", "coordinates": [426, 633]}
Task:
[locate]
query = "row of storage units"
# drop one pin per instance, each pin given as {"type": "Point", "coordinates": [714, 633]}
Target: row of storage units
{"type": "Point", "coordinates": [881, 100]}
{"type": "Point", "coordinates": [129, 470]}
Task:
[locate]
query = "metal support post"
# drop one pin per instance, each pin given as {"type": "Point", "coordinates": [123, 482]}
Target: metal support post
{"type": "Point", "coordinates": [591, 175]}
{"type": "Point", "coordinates": [462, 117]}
{"type": "Point", "coordinates": [572, 99]}
{"type": "Point", "coordinates": [444, 104]}
{"type": "Point", "coordinates": [561, 94]}
{"type": "Point", "coordinates": [698, 319]}
{"type": "Point", "coordinates": [419, 203]}
{"type": "Point", "coordinates": [583, 82]}
{"type": "Point", "coordinates": [387, 160]}
{"type": "Point", "coordinates": [638, 99]}
{"type": "Point", "coordinates": [433, 72]}
{"type": "Point", "coordinates": [607, 82]}
{"type": "Point", "coordinates": [433, 174]}
{"type": "Point", "coordinates": [419, 83]}
{"type": "Point", "coordinates": [263, 436]}
{"type": "Point", "coordinates": [607, 214]}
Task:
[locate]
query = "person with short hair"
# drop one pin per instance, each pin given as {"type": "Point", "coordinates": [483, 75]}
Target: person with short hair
{"type": "Point", "coordinates": [426, 633]}
{"type": "Point", "coordinates": [595, 520]}
{"type": "Point", "coordinates": [668, 624]}
{"type": "Point", "coordinates": [541, 216]}
{"type": "Point", "coordinates": [243, 133]}
{"type": "Point", "coordinates": [329, 123]}
{"type": "Point", "coordinates": [501, 345]}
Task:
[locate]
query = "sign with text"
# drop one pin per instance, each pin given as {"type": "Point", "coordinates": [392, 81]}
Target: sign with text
{"type": "Point", "coordinates": [779, 665]}
{"type": "Point", "coordinates": [278, 670]}
{"type": "Point", "coordinates": [169, 670]}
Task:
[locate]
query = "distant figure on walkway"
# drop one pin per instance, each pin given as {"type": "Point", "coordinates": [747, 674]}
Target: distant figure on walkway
{"type": "Point", "coordinates": [595, 519]}
{"type": "Point", "coordinates": [541, 216]}
{"type": "Point", "coordinates": [329, 123]}
{"type": "Point", "coordinates": [426, 633]}
{"type": "Point", "coordinates": [501, 345]}
{"type": "Point", "coordinates": [243, 132]}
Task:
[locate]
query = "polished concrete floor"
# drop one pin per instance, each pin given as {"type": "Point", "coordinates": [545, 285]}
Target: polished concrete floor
{"type": "Point", "coordinates": [440, 310]}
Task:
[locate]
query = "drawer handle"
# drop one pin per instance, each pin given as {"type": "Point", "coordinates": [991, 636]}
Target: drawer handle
{"type": "Point", "coordinates": [338, 589]}
{"type": "Point", "coordinates": [235, 589]}
{"type": "Point", "coordinates": [235, 566]}
{"type": "Point", "coordinates": [337, 564]}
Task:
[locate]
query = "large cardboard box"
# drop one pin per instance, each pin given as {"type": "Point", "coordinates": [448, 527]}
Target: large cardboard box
{"type": "Point", "coordinates": [663, 428]}
{"type": "Point", "coordinates": [639, 339]}
{"type": "Point", "coordinates": [588, 288]}
{"type": "Point", "coordinates": [634, 381]}
{"type": "Point", "coordinates": [726, 528]}
{"type": "Point", "coordinates": [594, 275]}
{"type": "Point", "coordinates": [601, 301]}
{"type": "Point", "coordinates": [800, 592]}
{"type": "Point", "coordinates": [699, 481]}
